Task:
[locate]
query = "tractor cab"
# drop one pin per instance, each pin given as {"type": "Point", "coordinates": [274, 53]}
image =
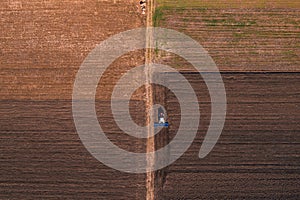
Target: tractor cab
{"type": "Point", "coordinates": [161, 119]}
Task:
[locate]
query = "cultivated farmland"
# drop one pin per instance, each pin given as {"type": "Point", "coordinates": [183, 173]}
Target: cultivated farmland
{"type": "Point", "coordinates": [255, 45]}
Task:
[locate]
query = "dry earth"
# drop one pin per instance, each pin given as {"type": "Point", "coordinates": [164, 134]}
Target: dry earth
{"type": "Point", "coordinates": [256, 47]}
{"type": "Point", "coordinates": [43, 45]}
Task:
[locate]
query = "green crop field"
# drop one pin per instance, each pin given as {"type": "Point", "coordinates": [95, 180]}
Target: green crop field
{"type": "Point", "coordinates": [230, 3]}
{"type": "Point", "coordinates": [248, 36]}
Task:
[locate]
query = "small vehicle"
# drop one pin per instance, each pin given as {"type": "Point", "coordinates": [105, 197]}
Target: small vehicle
{"type": "Point", "coordinates": [161, 119]}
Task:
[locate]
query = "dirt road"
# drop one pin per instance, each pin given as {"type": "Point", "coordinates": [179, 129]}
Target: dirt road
{"type": "Point", "coordinates": [149, 102]}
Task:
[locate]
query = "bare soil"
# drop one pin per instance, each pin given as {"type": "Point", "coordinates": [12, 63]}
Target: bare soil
{"type": "Point", "coordinates": [257, 153]}
{"type": "Point", "coordinates": [42, 46]}
{"type": "Point", "coordinates": [256, 49]}
{"type": "Point", "coordinates": [41, 156]}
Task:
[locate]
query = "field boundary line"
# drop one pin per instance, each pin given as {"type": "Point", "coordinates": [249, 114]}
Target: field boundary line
{"type": "Point", "coordinates": [150, 187]}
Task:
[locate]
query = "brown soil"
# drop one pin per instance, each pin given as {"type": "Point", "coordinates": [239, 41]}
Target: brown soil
{"type": "Point", "coordinates": [257, 52]}
{"type": "Point", "coordinates": [44, 43]}
{"type": "Point", "coordinates": [257, 153]}
{"type": "Point", "coordinates": [42, 46]}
